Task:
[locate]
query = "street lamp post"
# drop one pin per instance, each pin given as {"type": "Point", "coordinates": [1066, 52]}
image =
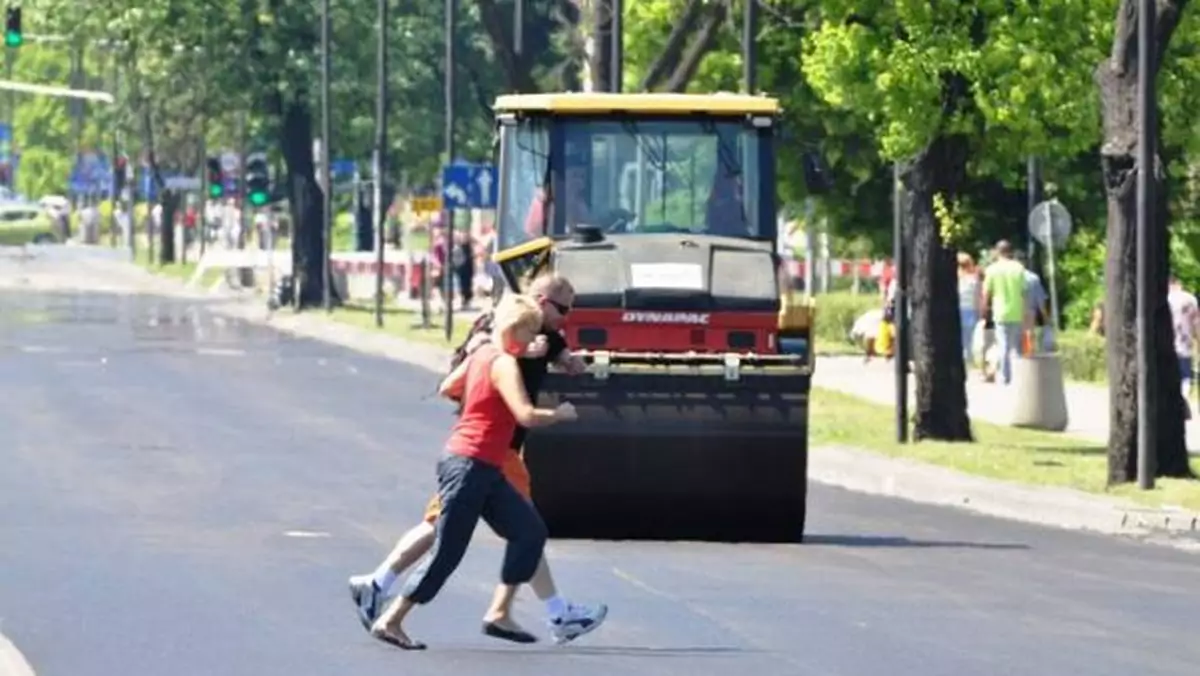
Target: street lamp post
{"type": "Point", "coordinates": [326, 149]}
{"type": "Point", "coordinates": [749, 47]}
{"type": "Point", "coordinates": [381, 109]}
{"type": "Point", "coordinates": [617, 31]}
{"type": "Point", "coordinates": [1147, 400]}
{"type": "Point", "coordinates": [447, 276]}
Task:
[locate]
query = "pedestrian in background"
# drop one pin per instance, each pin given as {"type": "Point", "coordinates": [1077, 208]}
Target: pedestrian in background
{"type": "Point", "coordinates": [1185, 322]}
{"type": "Point", "coordinates": [969, 300]}
{"type": "Point", "coordinates": [1004, 296]}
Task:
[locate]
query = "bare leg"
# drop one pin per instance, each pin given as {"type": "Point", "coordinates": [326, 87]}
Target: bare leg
{"type": "Point", "coordinates": [410, 548]}
{"type": "Point", "coordinates": [500, 612]}
{"type": "Point", "coordinates": [543, 586]}
{"type": "Point", "coordinates": [390, 626]}
{"type": "Point", "coordinates": [543, 582]}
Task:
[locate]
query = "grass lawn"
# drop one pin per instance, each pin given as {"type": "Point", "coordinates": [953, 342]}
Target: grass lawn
{"type": "Point", "coordinates": [828, 348]}
{"type": "Point", "coordinates": [402, 323]}
{"type": "Point", "coordinates": [1007, 453]}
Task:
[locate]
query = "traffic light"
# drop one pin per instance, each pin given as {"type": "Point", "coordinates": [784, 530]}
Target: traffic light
{"type": "Point", "coordinates": [216, 179]}
{"type": "Point", "coordinates": [12, 28]}
{"type": "Point", "coordinates": [258, 180]}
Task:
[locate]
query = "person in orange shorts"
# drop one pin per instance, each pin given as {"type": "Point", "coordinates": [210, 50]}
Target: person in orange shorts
{"type": "Point", "coordinates": [567, 621]}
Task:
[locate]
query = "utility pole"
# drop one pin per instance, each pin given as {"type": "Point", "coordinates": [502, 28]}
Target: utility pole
{"type": "Point", "coordinates": [447, 273]}
{"type": "Point", "coordinates": [202, 209]}
{"type": "Point", "coordinates": [900, 303]}
{"type": "Point", "coordinates": [518, 27]}
{"type": "Point", "coordinates": [10, 57]}
{"type": "Point", "coordinates": [326, 149]}
{"type": "Point", "coordinates": [113, 221]}
{"type": "Point", "coordinates": [1147, 299]}
{"type": "Point", "coordinates": [381, 110]}
{"type": "Point", "coordinates": [1033, 189]}
{"type": "Point", "coordinates": [243, 203]}
{"type": "Point", "coordinates": [750, 46]}
{"type": "Point", "coordinates": [618, 45]}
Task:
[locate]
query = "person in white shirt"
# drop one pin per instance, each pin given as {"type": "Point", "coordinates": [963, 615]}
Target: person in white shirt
{"type": "Point", "coordinates": [1185, 321]}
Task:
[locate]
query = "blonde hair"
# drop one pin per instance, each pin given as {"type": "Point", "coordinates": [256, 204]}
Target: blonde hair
{"type": "Point", "coordinates": [551, 284]}
{"type": "Point", "coordinates": [516, 311]}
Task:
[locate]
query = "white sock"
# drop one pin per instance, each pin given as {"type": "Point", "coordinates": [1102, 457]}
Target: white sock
{"type": "Point", "coordinates": [556, 607]}
{"type": "Point", "coordinates": [384, 578]}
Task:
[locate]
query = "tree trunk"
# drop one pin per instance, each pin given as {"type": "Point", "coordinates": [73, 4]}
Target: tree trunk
{"type": "Point", "coordinates": [306, 202]}
{"type": "Point", "coordinates": [166, 233]}
{"type": "Point", "coordinates": [1118, 83]}
{"type": "Point", "coordinates": [937, 353]}
{"type": "Point", "coordinates": [672, 51]}
{"type": "Point", "coordinates": [518, 69]}
{"type": "Point", "coordinates": [704, 42]}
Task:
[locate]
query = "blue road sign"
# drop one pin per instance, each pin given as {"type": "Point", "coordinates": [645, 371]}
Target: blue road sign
{"type": "Point", "coordinates": [343, 170]}
{"type": "Point", "coordinates": [92, 174]}
{"type": "Point", "coordinates": [469, 186]}
{"type": "Point", "coordinates": [148, 190]}
{"type": "Point", "coordinates": [5, 143]}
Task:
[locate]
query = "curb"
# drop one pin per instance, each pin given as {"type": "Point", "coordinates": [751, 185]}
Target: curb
{"type": "Point", "coordinates": [869, 472]}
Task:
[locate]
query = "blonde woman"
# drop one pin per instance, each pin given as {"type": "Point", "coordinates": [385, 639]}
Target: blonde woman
{"type": "Point", "coordinates": [471, 482]}
{"type": "Point", "coordinates": [969, 286]}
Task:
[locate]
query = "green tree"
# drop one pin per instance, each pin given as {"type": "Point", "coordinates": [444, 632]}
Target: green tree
{"type": "Point", "coordinates": [951, 91]}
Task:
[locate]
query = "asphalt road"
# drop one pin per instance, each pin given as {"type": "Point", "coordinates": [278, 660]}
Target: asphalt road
{"type": "Point", "coordinates": [182, 494]}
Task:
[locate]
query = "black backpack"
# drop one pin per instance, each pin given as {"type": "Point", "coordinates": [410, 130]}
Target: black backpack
{"type": "Point", "coordinates": [483, 324]}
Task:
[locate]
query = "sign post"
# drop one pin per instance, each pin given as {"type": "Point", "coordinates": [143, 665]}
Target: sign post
{"type": "Point", "coordinates": [1050, 225]}
{"type": "Point", "coordinates": [464, 186]}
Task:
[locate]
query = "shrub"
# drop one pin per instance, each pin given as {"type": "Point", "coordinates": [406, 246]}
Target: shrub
{"type": "Point", "coordinates": [836, 313]}
{"type": "Point", "coordinates": [1082, 356]}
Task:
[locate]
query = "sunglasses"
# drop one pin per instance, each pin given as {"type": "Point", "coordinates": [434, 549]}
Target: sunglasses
{"type": "Point", "coordinates": [562, 309]}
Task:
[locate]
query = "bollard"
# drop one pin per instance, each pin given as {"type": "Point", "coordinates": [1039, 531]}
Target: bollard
{"type": "Point", "coordinates": [1040, 398]}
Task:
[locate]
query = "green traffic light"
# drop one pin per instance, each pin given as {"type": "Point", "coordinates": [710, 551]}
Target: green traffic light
{"type": "Point", "coordinates": [258, 198]}
{"type": "Point", "coordinates": [215, 190]}
{"type": "Point", "coordinates": [13, 39]}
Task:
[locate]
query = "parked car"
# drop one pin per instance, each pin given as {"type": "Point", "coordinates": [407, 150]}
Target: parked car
{"type": "Point", "coordinates": [22, 224]}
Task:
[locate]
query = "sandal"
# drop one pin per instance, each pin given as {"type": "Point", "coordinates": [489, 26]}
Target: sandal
{"type": "Point", "coordinates": [392, 640]}
{"type": "Point", "coordinates": [517, 635]}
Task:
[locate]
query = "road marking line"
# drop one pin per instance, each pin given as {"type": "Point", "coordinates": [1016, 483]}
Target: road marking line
{"type": "Point", "coordinates": [221, 351]}
{"type": "Point", "coordinates": [305, 534]}
{"type": "Point", "coordinates": [42, 349]}
{"type": "Point", "coordinates": [12, 662]}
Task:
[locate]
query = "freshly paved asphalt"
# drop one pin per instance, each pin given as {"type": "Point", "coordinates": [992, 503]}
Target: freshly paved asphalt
{"type": "Point", "coordinates": [159, 465]}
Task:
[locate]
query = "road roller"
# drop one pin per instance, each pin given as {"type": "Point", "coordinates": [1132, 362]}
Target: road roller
{"type": "Point", "coordinates": [660, 209]}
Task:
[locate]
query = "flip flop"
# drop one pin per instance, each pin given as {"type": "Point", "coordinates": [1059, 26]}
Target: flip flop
{"type": "Point", "coordinates": [396, 642]}
{"type": "Point", "coordinates": [515, 635]}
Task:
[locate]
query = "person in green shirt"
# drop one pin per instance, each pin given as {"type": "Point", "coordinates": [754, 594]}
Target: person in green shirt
{"type": "Point", "coordinates": [1004, 294]}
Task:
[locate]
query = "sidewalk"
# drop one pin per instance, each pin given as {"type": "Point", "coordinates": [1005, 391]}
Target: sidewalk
{"type": "Point", "coordinates": [1087, 405]}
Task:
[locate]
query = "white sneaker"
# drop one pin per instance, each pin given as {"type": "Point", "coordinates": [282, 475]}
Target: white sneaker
{"type": "Point", "coordinates": [368, 598]}
{"type": "Point", "coordinates": [577, 621]}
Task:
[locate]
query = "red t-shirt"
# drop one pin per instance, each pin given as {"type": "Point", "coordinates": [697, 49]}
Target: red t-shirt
{"type": "Point", "coordinates": [485, 427]}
